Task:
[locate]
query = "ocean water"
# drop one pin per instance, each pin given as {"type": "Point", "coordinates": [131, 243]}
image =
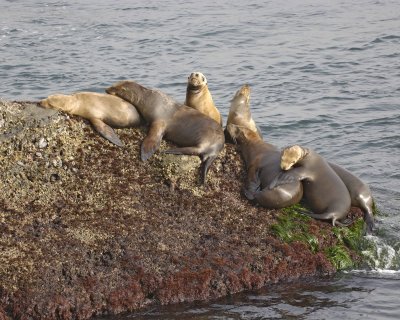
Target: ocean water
{"type": "Point", "coordinates": [325, 74]}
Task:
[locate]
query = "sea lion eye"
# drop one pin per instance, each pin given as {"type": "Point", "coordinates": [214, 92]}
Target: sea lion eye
{"type": "Point", "coordinates": [197, 74]}
{"type": "Point", "coordinates": [204, 79]}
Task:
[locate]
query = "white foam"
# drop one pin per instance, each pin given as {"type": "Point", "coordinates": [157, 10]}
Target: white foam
{"type": "Point", "coordinates": [381, 257]}
{"type": "Point", "coordinates": [377, 273]}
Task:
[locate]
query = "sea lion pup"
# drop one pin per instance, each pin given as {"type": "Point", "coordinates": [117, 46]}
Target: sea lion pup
{"type": "Point", "coordinates": [199, 97]}
{"type": "Point", "coordinates": [262, 159]}
{"type": "Point", "coordinates": [360, 194]}
{"type": "Point", "coordinates": [324, 191]}
{"type": "Point", "coordinates": [192, 131]}
{"type": "Point", "coordinates": [102, 110]}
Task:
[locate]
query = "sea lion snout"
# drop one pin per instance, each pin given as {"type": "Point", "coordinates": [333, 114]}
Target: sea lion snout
{"type": "Point", "coordinates": [197, 79]}
{"type": "Point", "coordinates": [243, 93]}
{"type": "Point", "coordinates": [111, 90]}
{"type": "Point", "coordinates": [245, 90]}
{"type": "Point", "coordinates": [44, 103]}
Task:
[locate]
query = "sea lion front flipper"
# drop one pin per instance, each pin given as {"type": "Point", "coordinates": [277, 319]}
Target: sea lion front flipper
{"type": "Point", "coordinates": [253, 182]}
{"type": "Point", "coordinates": [204, 169]}
{"type": "Point", "coordinates": [195, 151]}
{"type": "Point", "coordinates": [153, 139]}
{"type": "Point", "coordinates": [106, 131]}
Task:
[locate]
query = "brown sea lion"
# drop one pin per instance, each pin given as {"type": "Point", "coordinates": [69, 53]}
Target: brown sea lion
{"type": "Point", "coordinates": [102, 110]}
{"type": "Point", "coordinates": [199, 97]}
{"type": "Point", "coordinates": [262, 159]}
{"type": "Point", "coordinates": [360, 194]}
{"type": "Point", "coordinates": [192, 131]}
{"type": "Point", "coordinates": [324, 192]}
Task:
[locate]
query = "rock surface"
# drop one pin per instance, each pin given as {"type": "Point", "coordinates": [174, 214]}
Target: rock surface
{"type": "Point", "coordinates": [86, 228]}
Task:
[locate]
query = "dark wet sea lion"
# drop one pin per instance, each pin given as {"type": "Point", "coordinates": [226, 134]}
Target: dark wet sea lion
{"type": "Point", "coordinates": [324, 192]}
{"type": "Point", "coordinates": [192, 131]}
{"type": "Point", "coordinates": [360, 194]}
{"type": "Point", "coordinates": [102, 110]}
{"type": "Point", "coordinates": [262, 159]}
{"type": "Point", "coordinates": [199, 97]}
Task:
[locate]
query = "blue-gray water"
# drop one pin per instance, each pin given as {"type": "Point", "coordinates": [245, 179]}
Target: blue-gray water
{"type": "Point", "coordinates": [325, 74]}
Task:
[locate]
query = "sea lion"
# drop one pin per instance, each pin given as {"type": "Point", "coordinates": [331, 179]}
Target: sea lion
{"type": "Point", "coordinates": [360, 194]}
{"type": "Point", "coordinates": [199, 97]}
{"type": "Point", "coordinates": [262, 159]}
{"type": "Point", "coordinates": [324, 191]}
{"type": "Point", "coordinates": [192, 131]}
{"type": "Point", "coordinates": [102, 110]}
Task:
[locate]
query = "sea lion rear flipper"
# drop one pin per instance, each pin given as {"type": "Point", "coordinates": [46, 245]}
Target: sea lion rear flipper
{"type": "Point", "coordinates": [106, 131]}
{"type": "Point", "coordinates": [330, 216]}
{"type": "Point", "coordinates": [344, 223]}
{"type": "Point", "coordinates": [285, 177]}
{"type": "Point", "coordinates": [369, 221]}
{"type": "Point", "coordinates": [153, 139]}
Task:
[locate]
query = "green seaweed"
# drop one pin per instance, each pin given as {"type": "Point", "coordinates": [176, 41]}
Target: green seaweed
{"type": "Point", "coordinates": [339, 257]}
{"type": "Point", "coordinates": [288, 228]}
{"type": "Point", "coordinates": [352, 236]}
{"type": "Point", "coordinates": [348, 237]}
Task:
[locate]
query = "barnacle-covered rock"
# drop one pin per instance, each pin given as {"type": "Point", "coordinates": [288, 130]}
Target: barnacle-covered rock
{"type": "Point", "coordinates": [86, 228]}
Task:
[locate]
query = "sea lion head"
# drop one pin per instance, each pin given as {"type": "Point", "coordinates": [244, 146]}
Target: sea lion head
{"type": "Point", "coordinates": [239, 113]}
{"type": "Point", "coordinates": [126, 89]}
{"type": "Point", "coordinates": [59, 102]}
{"type": "Point", "coordinates": [291, 155]}
{"type": "Point", "coordinates": [118, 87]}
{"type": "Point", "coordinates": [196, 82]}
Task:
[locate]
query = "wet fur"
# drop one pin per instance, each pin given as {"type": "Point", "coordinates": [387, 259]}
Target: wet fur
{"type": "Point", "coordinates": [360, 193]}
{"type": "Point", "coordinates": [324, 191]}
{"type": "Point", "coordinates": [261, 159]}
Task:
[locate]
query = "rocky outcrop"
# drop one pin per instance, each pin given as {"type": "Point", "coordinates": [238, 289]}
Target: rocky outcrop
{"type": "Point", "coordinates": [86, 228]}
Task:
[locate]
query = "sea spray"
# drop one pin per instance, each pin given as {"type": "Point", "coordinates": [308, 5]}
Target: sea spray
{"type": "Point", "coordinates": [379, 254]}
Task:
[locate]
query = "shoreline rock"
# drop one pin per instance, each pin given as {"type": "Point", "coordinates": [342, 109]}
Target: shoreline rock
{"type": "Point", "coordinates": [88, 229]}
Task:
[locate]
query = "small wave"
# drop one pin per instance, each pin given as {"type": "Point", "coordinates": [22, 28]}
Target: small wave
{"type": "Point", "coordinates": [391, 37]}
{"type": "Point", "coordinates": [331, 98]}
{"type": "Point", "coordinates": [343, 64]}
{"type": "Point", "coordinates": [382, 122]}
{"type": "Point", "coordinates": [138, 8]}
{"type": "Point", "coordinates": [376, 41]}
{"type": "Point", "coordinates": [391, 55]}
{"type": "Point", "coordinates": [376, 274]}
{"type": "Point", "coordinates": [365, 47]}
{"type": "Point", "coordinates": [217, 32]}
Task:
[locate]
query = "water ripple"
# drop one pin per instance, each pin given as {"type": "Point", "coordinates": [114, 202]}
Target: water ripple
{"type": "Point", "coordinates": [323, 74]}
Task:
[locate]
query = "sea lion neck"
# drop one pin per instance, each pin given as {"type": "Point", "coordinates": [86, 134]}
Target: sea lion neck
{"type": "Point", "coordinates": [194, 89]}
{"type": "Point", "coordinates": [304, 153]}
